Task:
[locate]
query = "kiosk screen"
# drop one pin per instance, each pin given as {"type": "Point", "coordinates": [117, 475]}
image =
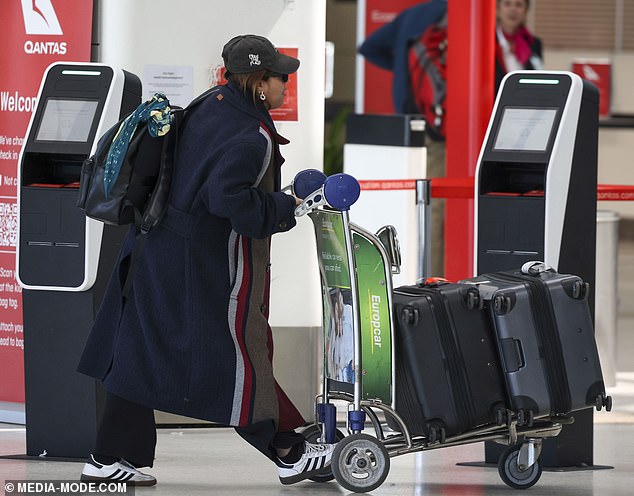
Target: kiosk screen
{"type": "Point", "coordinates": [67, 120]}
{"type": "Point", "coordinates": [525, 129]}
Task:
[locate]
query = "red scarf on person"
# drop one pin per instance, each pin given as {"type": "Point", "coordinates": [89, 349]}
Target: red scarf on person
{"type": "Point", "coordinates": [520, 43]}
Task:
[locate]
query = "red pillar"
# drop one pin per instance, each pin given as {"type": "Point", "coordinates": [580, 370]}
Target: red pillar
{"type": "Point", "coordinates": [470, 86]}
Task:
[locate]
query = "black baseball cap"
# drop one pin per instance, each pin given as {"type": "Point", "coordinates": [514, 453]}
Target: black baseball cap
{"type": "Point", "coordinates": [251, 53]}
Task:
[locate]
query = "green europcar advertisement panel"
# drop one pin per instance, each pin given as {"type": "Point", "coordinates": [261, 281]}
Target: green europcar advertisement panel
{"type": "Point", "coordinates": [332, 248]}
{"type": "Point", "coordinates": [375, 321]}
{"type": "Point", "coordinates": [338, 313]}
{"type": "Point", "coordinates": [337, 296]}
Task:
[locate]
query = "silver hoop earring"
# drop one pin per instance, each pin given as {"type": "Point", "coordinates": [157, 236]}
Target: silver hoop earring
{"type": "Point", "coordinates": [262, 95]}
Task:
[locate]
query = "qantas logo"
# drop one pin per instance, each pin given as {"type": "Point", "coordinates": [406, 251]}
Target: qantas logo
{"type": "Point", "coordinates": [40, 18]}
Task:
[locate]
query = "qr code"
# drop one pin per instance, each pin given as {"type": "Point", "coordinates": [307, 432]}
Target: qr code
{"type": "Point", "coordinates": [8, 224]}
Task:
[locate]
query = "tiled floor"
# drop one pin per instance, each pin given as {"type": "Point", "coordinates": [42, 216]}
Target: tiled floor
{"type": "Point", "coordinates": [215, 461]}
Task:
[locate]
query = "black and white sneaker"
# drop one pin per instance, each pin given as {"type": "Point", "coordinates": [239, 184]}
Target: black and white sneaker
{"type": "Point", "coordinates": [120, 471]}
{"type": "Point", "coordinates": [314, 459]}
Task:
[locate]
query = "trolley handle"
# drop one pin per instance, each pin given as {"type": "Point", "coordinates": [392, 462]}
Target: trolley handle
{"type": "Point", "coordinates": [339, 191]}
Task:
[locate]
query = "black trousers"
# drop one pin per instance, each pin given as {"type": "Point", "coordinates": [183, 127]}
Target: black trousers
{"type": "Point", "coordinates": [128, 430]}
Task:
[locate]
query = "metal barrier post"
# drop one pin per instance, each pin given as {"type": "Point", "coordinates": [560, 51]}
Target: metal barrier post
{"type": "Point", "coordinates": [423, 205]}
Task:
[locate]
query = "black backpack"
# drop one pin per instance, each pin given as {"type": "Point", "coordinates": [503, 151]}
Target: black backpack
{"type": "Point", "coordinates": [427, 70]}
{"type": "Point", "coordinates": [138, 191]}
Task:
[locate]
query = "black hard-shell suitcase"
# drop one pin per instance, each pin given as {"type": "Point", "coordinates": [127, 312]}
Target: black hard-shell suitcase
{"type": "Point", "coordinates": [545, 336]}
{"type": "Point", "coordinates": [448, 377]}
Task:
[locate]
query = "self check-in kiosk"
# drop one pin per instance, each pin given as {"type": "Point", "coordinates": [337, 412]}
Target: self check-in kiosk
{"type": "Point", "coordinates": [63, 258]}
{"type": "Point", "coordinates": [535, 199]}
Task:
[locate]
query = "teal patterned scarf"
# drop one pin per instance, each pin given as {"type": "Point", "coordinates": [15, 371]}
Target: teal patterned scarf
{"type": "Point", "coordinates": [156, 112]}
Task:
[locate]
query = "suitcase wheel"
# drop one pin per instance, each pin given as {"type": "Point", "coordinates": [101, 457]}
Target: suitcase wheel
{"type": "Point", "coordinates": [501, 304]}
{"type": "Point", "coordinates": [432, 434]}
{"type": "Point", "coordinates": [436, 432]}
{"type": "Point", "coordinates": [603, 401]}
{"type": "Point", "coordinates": [580, 290]}
{"type": "Point", "coordinates": [500, 415]}
{"type": "Point", "coordinates": [510, 415]}
{"type": "Point", "coordinates": [525, 418]}
{"type": "Point", "coordinates": [409, 315]}
{"type": "Point", "coordinates": [521, 417]}
{"type": "Point", "coordinates": [473, 299]}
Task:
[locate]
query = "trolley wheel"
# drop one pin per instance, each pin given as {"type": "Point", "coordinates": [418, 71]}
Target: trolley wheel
{"type": "Point", "coordinates": [360, 463]}
{"type": "Point", "coordinates": [608, 404]}
{"type": "Point", "coordinates": [312, 434]}
{"type": "Point", "coordinates": [511, 473]}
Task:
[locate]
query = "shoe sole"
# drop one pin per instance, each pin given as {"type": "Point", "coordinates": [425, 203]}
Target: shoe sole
{"type": "Point", "coordinates": [90, 478]}
{"type": "Point", "coordinates": [293, 479]}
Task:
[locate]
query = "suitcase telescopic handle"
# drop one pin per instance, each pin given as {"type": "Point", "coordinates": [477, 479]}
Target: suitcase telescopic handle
{"type": "Point", "coordinates": [535, 267]}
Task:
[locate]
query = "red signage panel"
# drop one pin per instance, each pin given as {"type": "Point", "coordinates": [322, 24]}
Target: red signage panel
{"type": "Point", "coordinates": [377, 84]}
{"type": "Point", "coordinates": [598, 72]}
{"type": "Point", "coordinates": [35, 34]}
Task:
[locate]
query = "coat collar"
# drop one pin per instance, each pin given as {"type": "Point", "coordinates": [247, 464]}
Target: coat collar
{"type": "Point", "coordinates": [243, 102]}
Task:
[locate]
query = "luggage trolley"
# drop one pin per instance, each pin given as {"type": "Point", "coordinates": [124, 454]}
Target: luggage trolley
{"type": "Point", "coordinates": [356, 270]}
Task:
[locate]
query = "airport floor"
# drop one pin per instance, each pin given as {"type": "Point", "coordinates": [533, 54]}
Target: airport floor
{"type": "Point", "coordinates": [215, 461]}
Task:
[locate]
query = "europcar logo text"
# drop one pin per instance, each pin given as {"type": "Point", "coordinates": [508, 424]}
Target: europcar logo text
{"type": "Point", "coordinates": [40, 19]}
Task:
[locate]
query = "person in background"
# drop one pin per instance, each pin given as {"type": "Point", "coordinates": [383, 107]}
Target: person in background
{"type": "Point", "coordinates": [388, 46]}
{"type": "Point", "coordinates": [515, 47]}
{"type": "Point", "coordinates": [192, 337]}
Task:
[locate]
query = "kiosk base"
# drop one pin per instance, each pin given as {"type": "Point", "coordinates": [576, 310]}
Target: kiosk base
{"type": "Point", "coordinates": [544, 468]}
{"type": "Point", "coordinates": [571, 450]}
{"type": "Point", "coordinates": [62, 406]}
{"type": "Point", "coordinates": [44, 458]}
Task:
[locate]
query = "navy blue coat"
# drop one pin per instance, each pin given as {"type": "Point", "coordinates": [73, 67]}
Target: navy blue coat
{"type": "Point", "coordinates": [388, 46]}
{"type": "Point", "coordinates": [193, 337]}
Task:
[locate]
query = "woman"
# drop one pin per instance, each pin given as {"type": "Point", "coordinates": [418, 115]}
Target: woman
{"type": "Point", "coordinates": [192, 337]}
{"type": "Point", "coordinates": [515, 47]}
